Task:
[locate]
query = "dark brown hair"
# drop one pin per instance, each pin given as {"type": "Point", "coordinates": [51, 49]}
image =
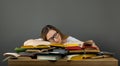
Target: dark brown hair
{"type": "Point", "coordinates": [46, 29]}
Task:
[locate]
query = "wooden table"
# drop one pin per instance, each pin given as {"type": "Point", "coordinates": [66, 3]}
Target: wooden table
{"type": "Point", "coordinates": [25, 61]}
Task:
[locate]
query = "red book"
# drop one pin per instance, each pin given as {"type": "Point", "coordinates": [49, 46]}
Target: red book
{"type": "Point", "coordinates": [89, 47]}
{"type": "Point", "coordinates": [73, 48]}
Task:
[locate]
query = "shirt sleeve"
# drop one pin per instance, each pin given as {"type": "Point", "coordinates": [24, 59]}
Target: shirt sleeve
{"type": "Point", "coordinates": [72, 40]}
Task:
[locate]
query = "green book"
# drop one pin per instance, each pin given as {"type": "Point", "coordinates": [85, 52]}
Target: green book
{"type": "Point", "coordinates": [19, 49]}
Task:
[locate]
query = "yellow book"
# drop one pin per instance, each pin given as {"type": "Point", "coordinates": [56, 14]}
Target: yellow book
{"type": "Point", "coordinates": [39, 46]}
{"type": "Point", "coordinates": [80, 57]}
{"type": "Point", "coordinates": [92, 50]}
{"type": "Point", "coordinates": [30, 46]}
{"type": "Point", "coordinates": [71, 45]}
{"type": "Point", "coordinates": [81, 51]}
{"type": "Point", "coordinates": [42, 46]}
{"type": "Point", "coordinates": [57, 45]}
{"type": "Point", "coordinates": [64, 45]}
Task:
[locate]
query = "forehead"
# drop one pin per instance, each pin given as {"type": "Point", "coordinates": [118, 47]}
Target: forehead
{"type": "Point", "coordinates": [50, 33]}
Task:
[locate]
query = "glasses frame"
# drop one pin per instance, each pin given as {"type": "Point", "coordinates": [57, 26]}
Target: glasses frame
{"type": "Point", "coordinates": [53, 37]}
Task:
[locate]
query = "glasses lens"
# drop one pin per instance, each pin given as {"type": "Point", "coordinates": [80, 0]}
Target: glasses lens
{"type": "Point", "coordinates": [53, 37]}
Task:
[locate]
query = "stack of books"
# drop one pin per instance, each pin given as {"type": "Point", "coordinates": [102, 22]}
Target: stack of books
{"type": "Point", "coordinates": [55, 54]}
{"type": "Point", "coordinates": [86, 48]}
{"type": "Point", "coordinates": [41, 50]}
{"type": "Point", "coordinates": [73, 47]}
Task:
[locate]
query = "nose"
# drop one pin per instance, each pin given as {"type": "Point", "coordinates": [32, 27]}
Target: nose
{"type": "Point", "coordinates": [56, 40]}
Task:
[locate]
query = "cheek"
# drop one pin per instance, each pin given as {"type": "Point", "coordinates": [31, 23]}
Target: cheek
{"type": "Point", "coordinates": [60, 39]}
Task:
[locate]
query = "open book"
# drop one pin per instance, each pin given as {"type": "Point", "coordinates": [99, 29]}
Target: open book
{"type": "Point", "coordinates": [10, 55]}
{"type": "Point", "coordinates": [35, 42]}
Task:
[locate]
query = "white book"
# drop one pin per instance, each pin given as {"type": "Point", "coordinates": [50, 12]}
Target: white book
{"type": "Point", "coordinates": [10, 55]}
{"type": "Point", "coordinates": [48, 57]}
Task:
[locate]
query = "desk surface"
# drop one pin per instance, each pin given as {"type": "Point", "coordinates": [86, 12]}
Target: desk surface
{"type": "Point", "coordinates": [22, 61]}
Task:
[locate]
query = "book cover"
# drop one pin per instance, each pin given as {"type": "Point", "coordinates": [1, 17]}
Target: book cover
{"type": "Point", "coordinates": [48, 57]}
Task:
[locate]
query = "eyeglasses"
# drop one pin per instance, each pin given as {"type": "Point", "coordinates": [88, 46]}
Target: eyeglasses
{"type": "Point", "coordinates": [53, 37]}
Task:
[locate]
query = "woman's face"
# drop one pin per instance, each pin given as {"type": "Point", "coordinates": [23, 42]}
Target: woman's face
{"type": "Point", "coordinates": [53, 36]}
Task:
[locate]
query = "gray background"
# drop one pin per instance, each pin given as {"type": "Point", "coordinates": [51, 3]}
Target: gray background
{"type": "Point", "coordinates": [98, 20]}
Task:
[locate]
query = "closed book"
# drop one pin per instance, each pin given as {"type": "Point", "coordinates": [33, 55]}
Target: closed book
{"type": "Point", "coordinates": [76, 51]}
{"type": "Point", "coordinates": [84, 51]}
{"type": "Point", "coordinates": [89, 47]}
{"type": "Point", "coordinates": [39, 47]}
{"type": "Point", "coordinates": [60, 51]}
{"type": "Point", "coordinates": [57, 45]}
{"type": "Point", "coordinates": [28, 54]}
{"type": "Point", "coordinates": [92, 51]}
{"type": "Point", "coordinates": [70, 45]}
{"type": "Point", "coordinates": [73, 48]}
{"type": "Point", "coordinates": [48, 57]}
